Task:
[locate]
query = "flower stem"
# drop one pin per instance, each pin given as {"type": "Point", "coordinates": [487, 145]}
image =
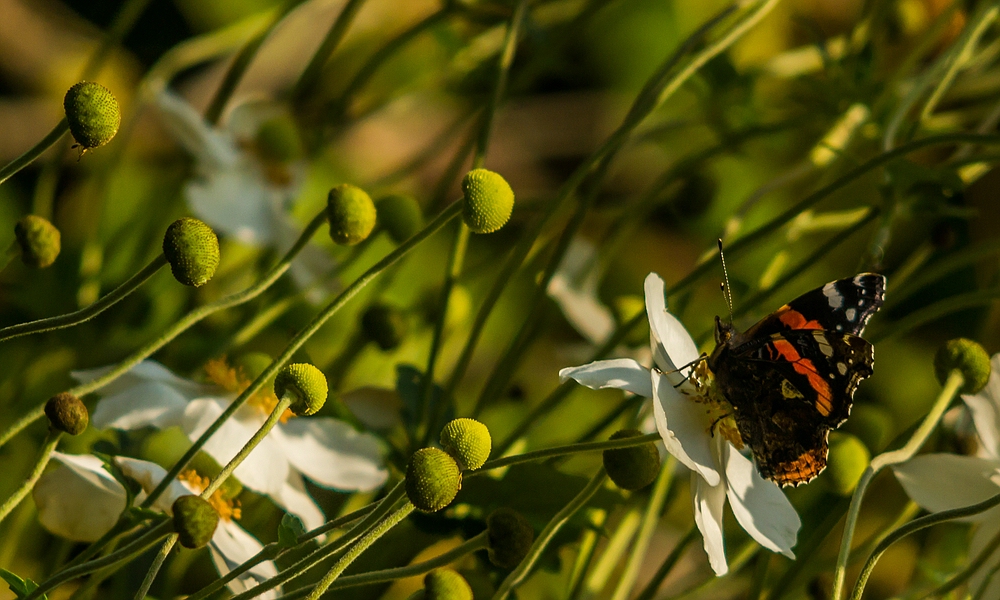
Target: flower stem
{"type": "Point", "coordinates": [522, 571]}
{"type": "Point", "coordinates": [85, 314]}
{"type": "Point", "coordinates": [923, 523]}
{"type": "Point", "coordinates": [668, 565]}
{"type": "Point", "coordinates": [51, 441]}
{"type": "Point", "coordinates": [154, 569]}
{"type": "Point", "coordinates": [336, 33]}
{"type": "Point", "coordinates": [951, 387]}
{"type": "Point", "coordinates": [12, 251]}
{"type": "Point", "coordinates": [300, 338]}
{"type": "Point", "coordinates": [360, 546]}
{"type": "Point", "coordinates": [28, 157]}
{"type": "Point", "coordinates": [507, 461]}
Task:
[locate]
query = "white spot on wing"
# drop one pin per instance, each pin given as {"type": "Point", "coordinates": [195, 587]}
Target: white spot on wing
{"type": "Point", "coordinates": [833, 297]}
{"type": "Point", "coordinates": [851, 313]}
{"type": "Point", "coordinates": [842, 368]}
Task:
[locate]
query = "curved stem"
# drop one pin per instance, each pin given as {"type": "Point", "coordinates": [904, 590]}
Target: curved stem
{"type": "Point", "coordinates": [28, 157]}
{"type": "Point", "coordinates": [154, 569]}
{"type": "Point", "coordinates": [85, 314]}
{"type": "Point", "coordinates": [51, 441]}
{"type": "Point", "coordinates": [253, 442]}
{"type": "Point", "coordinates": [951, 387]}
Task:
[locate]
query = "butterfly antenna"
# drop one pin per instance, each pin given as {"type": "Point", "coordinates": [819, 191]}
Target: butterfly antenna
{"type": "Point", "coordinates": [727, 291]}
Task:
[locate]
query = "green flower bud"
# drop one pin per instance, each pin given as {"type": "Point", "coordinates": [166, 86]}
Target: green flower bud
{"type": "Point", "coordinates": [509, 536]}
{"type": "Point", "coordinates": [847, 461]}
{"type": "Point", "coordinates": [306, 383]}
{"type": "Point", "coordinates": [384, 325]}
{"type": "Point", "coordinates": [626, 308]}
{"type": "Point", "coordinates": [351, 213]}
{"type": "Point", "coordinates": [192, 249]}
{"type": "Point", "coordinates": [488, 201]}
{"type": "Point", "coordinates": [968, 357]}
{"type": "Point", "coordinates": [39, 240]}
{"type": "Point", "coordinates": [468, 442]}
{"type": "Point", "coordinates": [278, 140]}
{"type": "Point", "coordinates": [445, 584]}
{"type": "Point", "coordinates": [635, 467]}
{"type": "Point", "coordinates": [92, 113]}
{"type": "Point", "coordinates": [194, 521]}
{"type": "Point", "coordinates": [400, 216]}
{"type": "Point", "coordinates": [872, 424]}
{"type": "Point", "coordinates": [432, 479]}
{"type": "Point", "coordinates": [67, 413]}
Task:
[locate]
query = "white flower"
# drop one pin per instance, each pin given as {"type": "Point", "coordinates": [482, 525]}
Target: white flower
{"type": "Point", "coordinates": [327, 451]}
{"type": "Point", "coordinates": [684, 419]}
{"type": "Point", "coordinates": [947, 481]}
{"type": "Point", "coordinates": [574, 288]}
{"type": "Point", "coordinates": [79, 500]}
{"type": "Point", "coordinates": [237, 191]}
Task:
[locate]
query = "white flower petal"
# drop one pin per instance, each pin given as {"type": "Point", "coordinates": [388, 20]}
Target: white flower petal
{"type": "Point", "coordinates": [145, 404]}
{"type": "Point", "coordinates": [149, 475]}
{"type": "Point", "coordinates": [684, 425]}
{"type": "Point", "coordinates": [212, 148]}
{"type": "Point", "coordinates": [945, 481]}
{"type": "Point", "coordinates": [79, 485]}
{"type": "Point", "coordinates": [760, 506]}
{"type": "Point", "coordinates": [235, 202]}
{"type": "Point", "coordinates": [332, 453]}
{"type": "Point", "coordinates": [582, 309]}
{"type": "Point", "coordinates": [144, 372]}
{"type": "Point", "coordinates": [985, 409]}
{"type": "Point", "coordinates": [264, 470]}
{"type": "Point", "coordinates": [672, 345]}
{"type": "Point", "coordinates": [295, 499]}
{"type": "Point", "coordinates": [987, 530]}
{"type": "Point", "coordinates": [620, 373]}
{"type": "Point", "coordinates": [230, 547]}
{"type": "Point", "coordinates": [709, 500]}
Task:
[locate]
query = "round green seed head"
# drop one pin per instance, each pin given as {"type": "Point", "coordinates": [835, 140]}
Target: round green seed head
{"type": "Point", "coordinates": [306, 383]}
{"type": "Point", "coordinates": [468, 442]}
{"type": "Point", "coordinates": [627, 308]}
{"type": "Point", "coordinates": [847, 461]}
{"type": "Point", "coordinates": [351, 213]}
{"type": "Point", "coordinates": [92, 113]}
{"type": "Point", "coordinates": [968, 357]}
{"type": "Point", "coordinates": [192, 249]}
{"type": "Point", "coordinates": [39, 240]}
{"type": "Point", "coordinates": [400, 216]}
{"type": "Point", "coordinates": [488, 201]}
{"type": "Point", "coordinates": [445, 584]}
{"type": "Point", "coordinates": [509, 536]}
{"type": "Point", "coordinates": [194, 521]}
{"type": "Point", "coordinates": [432, 479]}
{"type": "Point", "coordinates": [278, 139]}
{"type": "Point", "coordinates": [67, 413]}
{"type": "Point", "coordinates": [384, 325]}
{"type": "Point", "coordinates": [632, 468]}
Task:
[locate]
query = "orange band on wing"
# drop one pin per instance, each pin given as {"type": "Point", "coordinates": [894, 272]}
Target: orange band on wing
{"type": "Point", "coordinates": [804, 366]}
{"type": "Point", "coordinates": [796, 320]}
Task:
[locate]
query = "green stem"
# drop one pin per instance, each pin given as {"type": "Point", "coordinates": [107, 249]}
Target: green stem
{"type": "Point", "coordinates": [51, 441]}
{"type": "Point", "coordinates": [759, 576]}
{"type": "Point", "coordinates": [154, 569]}
{"type": "Point", "coordinates": [12, 251]}
{"type": "Point", "coordinates": [300, 339]}
{"type": "Point", "coordinates": [668, 565]}
{"type": "Point", "coordinates": [358, 548]}
{"type": "Point", "coordinates": [506, 461]}
{"type": "Point", "coordinates": [981, 592]}
{"type": "Point", "coordinates": [349, 353]}
{"type": "Point", "coordinates": [923, 523]}
{"type": "Point", "coordinates": [951, 387]}
{"type": "Point", "coordinates": [26, 159]}
{"type": "Point", "coordinates": [85, 314]}
{"type": "Point", "coordinates": [519, 574]}
{"type": "Point", "coordinates": [333, 37]}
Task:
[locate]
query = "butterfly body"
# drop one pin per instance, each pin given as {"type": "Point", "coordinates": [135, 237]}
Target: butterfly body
{"type": "Point", "coordinates": [791, 377]}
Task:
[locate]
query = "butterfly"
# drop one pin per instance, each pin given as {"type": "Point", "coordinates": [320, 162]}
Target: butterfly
{"type": "Point", "coordinates": [791, 377]}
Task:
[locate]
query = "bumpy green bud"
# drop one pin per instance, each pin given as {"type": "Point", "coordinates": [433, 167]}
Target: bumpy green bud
{"type": "Point", "coordinates": [92, 113]}
{"type": "Point", "coordinates": [872, 424]}
{"type": "Point", "coordinates": [968, 357]}
{"type": "Point", "coordinates": [488, 201]}
{"type": "Point", "coordinates": [351, 213]}
{"type": "Point", "coordinates": [306, 383]}
{"type": "Point", "coordinates": [626, 308]}
{"type": "Point", "coordinates": [192, 249]}
{"type": "Point", "coordinates": [847, 462]}
{"type": "Point", "coordinates": [509, 536]}
{"type": "Point", "coordinates": [632, 468]}
{"type": "Point", "coordinates": [67, 413]}
{"type": "Point", "coordinates": [445, 584]}
{"type": "Point", "coordinates": [384, 325]}
{"type": "Point", "coordinates": [194, 521]}
{"type": "Point", "coordinates": [468, 442]}
{"type": "Point", "coordinates": [432, 479]}
{"type": "Point", "coordinates": [400, 216]}
{"type": "Point", "coordinates": [39, 240]}
{"type": "Point", "coordinates": [278, 139]}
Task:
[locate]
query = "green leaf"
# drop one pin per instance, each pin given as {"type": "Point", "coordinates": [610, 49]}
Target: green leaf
{"type": "Point", "coordinates": [290, 530]}
{"type": "Point", "coordinates": [20, 587]}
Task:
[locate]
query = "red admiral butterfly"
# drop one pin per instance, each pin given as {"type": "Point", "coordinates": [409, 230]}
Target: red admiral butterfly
{"type": "Point", "coordinates": [791, 377]}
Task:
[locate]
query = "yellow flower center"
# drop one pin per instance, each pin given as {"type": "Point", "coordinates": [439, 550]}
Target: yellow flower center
{"type": "Point", "coordinates": [234, 380]}
{"type": "Point", "coordinates": [227, 509]}
{"type": "Point", "coordinates": [719, 410]}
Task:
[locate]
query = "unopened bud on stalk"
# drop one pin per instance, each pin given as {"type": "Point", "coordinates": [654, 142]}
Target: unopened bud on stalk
{"type": "Point", "coordinates": [509, 537]}
{"type": "Point", "coordinates": [384, 325]}
{"type": "Point", "coordinates": [468, 442]}
{"type": "Point", "coordinates": [433, 479]}
{"type": "Point", "coordinates": [444, 584]}
{"type": "Point", "coordinates": [488, 201]}
{"type": "Point", "coordinates": [92, 113]}
{"type": "Point", "coordinates": [400, 216]}
{"type": "Point", "coordinates": [847, 462]}
{"type": "Point", "coordinates": [278, 139]}
{"type": "Point", "coordinates": [192, 249]}
{"type": "Point", "coordinates": [195, 521]}
{"type": "Point", "coordinates": [67, 413]}
{"type": "Point", "coordinates": [634, 467]}
{"type": "Point", "coordinates": [306, 383]}
{"type": "Point", "coordinates": [351, 213]}
{"type": "Point", "coordinates": [39, 240]}
{"type": "Point", "coordinates": [968, 357]}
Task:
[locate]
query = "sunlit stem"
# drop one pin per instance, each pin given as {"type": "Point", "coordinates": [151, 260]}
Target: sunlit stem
{"type": "Point", "coordinates": [85, 314]}
{"type": "Point", "coordinates": [51, 441]}
{"type": "Point", "coordinates": [28, 157]}
{"type": "Point", "coordinates": [154, 569]}
{"type": "Point", "coordinates": [536, 455]}
{"type": "Point", "coordinates": [951, 387]}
